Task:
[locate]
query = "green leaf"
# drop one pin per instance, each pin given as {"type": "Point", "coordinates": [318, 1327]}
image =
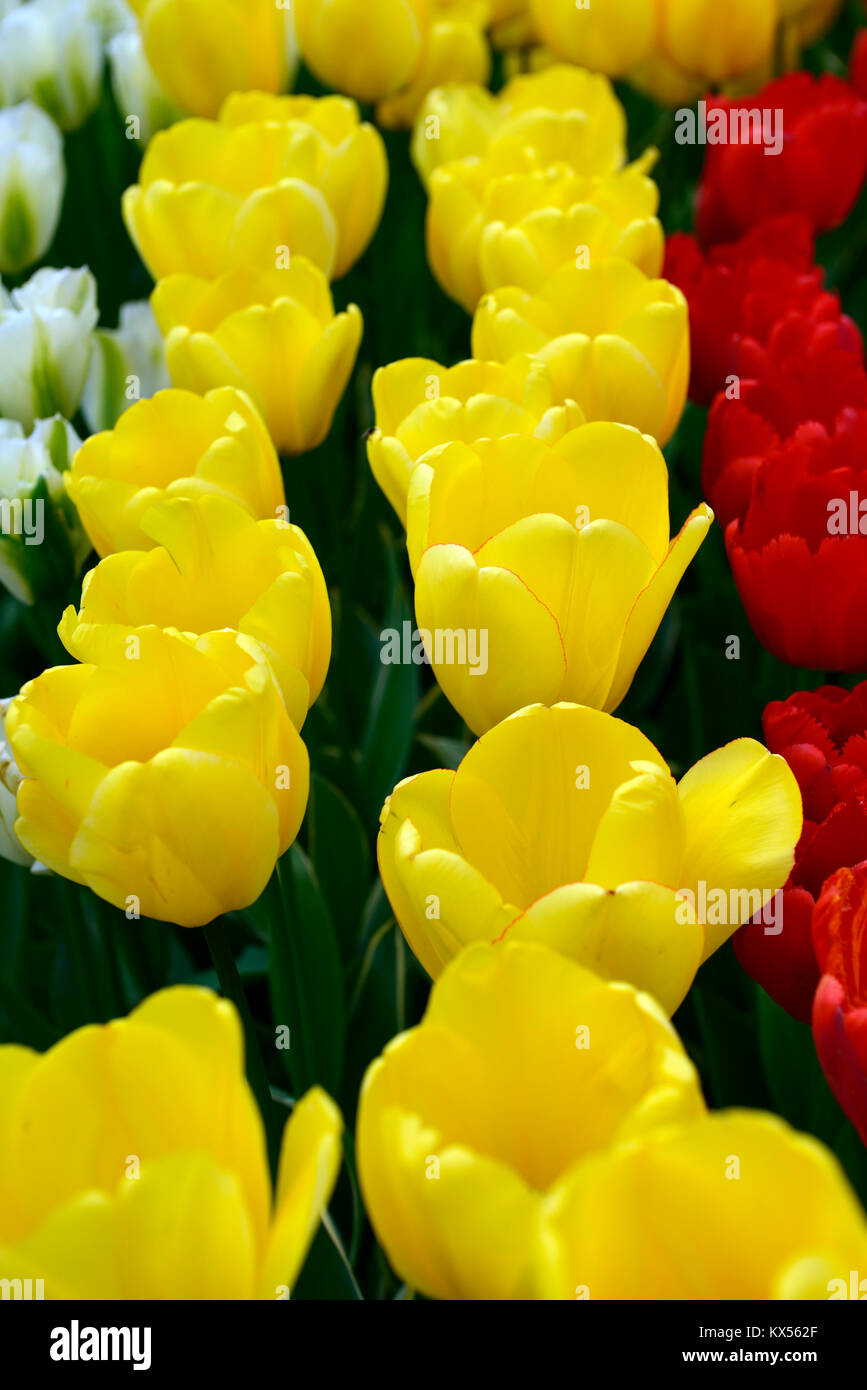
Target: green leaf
{"type": "Point", "coordinates": [797, 1085]}
{"type": "Point", "coordinates": [388, 736]}
{"type": "Point", "coordinates": [305, 976]}
{"type": "Point", "coordinates": [341, 858]}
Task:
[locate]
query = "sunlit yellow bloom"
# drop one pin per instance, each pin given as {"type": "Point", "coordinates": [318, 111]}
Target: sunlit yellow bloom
{"type": "Point", "coordinates": [484, 233]}
{"type": "Point", "coordinates": [561, 116]}
{"type": "Point", "coordinates": [716, 42]}
{"type": "Point", "coordinates": [421, 407]}
{"type": "Point", "coordinates": [541, 1134]}
{"type": "Point", "coordinates": [168, 778]}
{"type": "Point", "coordinates": [175, 445]}
{"type": "Point", "coordinates": [163, 1192]}
{"type": "Point", "coordinates": [735, 1206]}
{"type": "Point", "coordinates": [455, 50]}
{"type": "Point", "coordinates": [559, 554]}
{"type": "Point", "coordinates": [366, 48]}
{"type": "Point", "coordinates": [615, 341]}
{"type": "Point", "coordinates": [611, 37]}
{"type": "Point", "coordinates": [564, 826]}
{"type": "Point", "coordinates": [271, 333]}
{"type": "Point", "coordinates": [352, 167]}
{"type": "Point", "coordinates": [213, 567]}
{"type": "Point", "coordinates": [201, 50]}
{"type": "Point", "coordinates": [270, 179]}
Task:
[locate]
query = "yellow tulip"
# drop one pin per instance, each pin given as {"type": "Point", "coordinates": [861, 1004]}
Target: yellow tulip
{"type": "Point", "coordinates": [168, 778]}
{"type": "Point", "coordinates": [366, 48]}
{"type": "Point", "coordinates": [556, 557]}
{"type": "Point", "coordinates": [486, 232]}
{"type": "Point", "coordinates": [163, 1191]}
{"type": "Point", "coordinates": [421, 407]}
{"type": "Point", "coordinates": [213, 567]}
{"type": "Point", "coordinates": [270, 180]}
{"type": "Point", "coordinates": [271, 333]}
{"type": "Point", "coordinates": [352, 167]}
{"type": "Point", "coordinates": [735, 1206]}
{"type": "Point", "coordinates": [560, 116]}
{"type": "Point", "coordinates": [717, 43]}
{"type": "Point", "coordinates": [174, 445]}
{"type": "Point", "coordinates": [455, 50]}
{"type": "Point", "coordinates": [611, 37]}
{"type": "Point", "coordinates": [541, 1134]}
{"type": "Point", "coordinates": [666, 83]}
{"type": "Point", "coordinates": [201, 50]}
{"type": "Point", "coordinates": [615, 341]}
{"type": "Point", "coordinates": [469, 1122]}
{"type": "Point", "coordinates": [564, 827]}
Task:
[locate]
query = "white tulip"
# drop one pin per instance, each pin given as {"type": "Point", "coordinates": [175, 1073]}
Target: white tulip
{"type": "Point", "coordinates": [32, 182]}
{"type": "Point", "coordinates": [46, 341]}
{"type": "Point", "coordinates": [128, 365]}
{"type": "Point", "coordinates": [53, 56]}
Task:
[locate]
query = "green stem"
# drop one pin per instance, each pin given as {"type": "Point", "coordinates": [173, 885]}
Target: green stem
{"type": "Point", "coordinates": [232, 989]}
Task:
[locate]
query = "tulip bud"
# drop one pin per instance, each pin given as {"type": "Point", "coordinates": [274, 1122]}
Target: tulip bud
{"type": "Point", "coordinates": [54, 57]}
{"type": "Point", "coordinates": [141, 99]}
{"type": "Point", "coordinates": [42, 541]}
{"type": "Point", "coordinates": [128, 365]}
{"type": "Point", "coordinates": [32, 180]}
{"type": "Point", "coordinates": [201, 50]}
{"type": "Point", "coordinates": [46, 339]}
{"type": "Point", "coordinates": [368, 49]}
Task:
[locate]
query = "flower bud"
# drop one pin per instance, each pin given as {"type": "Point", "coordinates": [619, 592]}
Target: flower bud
{"type": "Point", "coordinates": [54, 57]}
{"type": "Point", "coordinates": [32, 180]}
{"type": "Point", "coordinates": [46, 339]}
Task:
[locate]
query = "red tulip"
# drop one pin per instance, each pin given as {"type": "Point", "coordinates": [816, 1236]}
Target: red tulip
{"type": "Point", "coordinates": [822, 734]}
{"type": "Point", "coordinates": [742, 290]}
{"type": "Point", "coordinates": [840, 1007]}
{"type": "Point", "coordinates": [819, 170]}
{"type": "Point", "coordinates": [807, 373]}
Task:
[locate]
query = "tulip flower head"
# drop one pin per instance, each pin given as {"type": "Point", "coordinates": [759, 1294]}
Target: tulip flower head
{"type": "Point", "coordinates": [821, 734]}
{"type": "Point", "coordinates": [541, 1134]}
{"type": "Point", "coordinates": [164, 1190]}
{"type": "Point", "coordinates": [32, 181]}
{"type": "Point", "coordinates": [614, 341]}
{"type": "Point", "coordinates": [273, 334]}
{"type": "Point", "coordinates": [53, 56]}
{"type": "Point", "coordinates": [560, 116]}
{"type": "Point", "coordinates": [485, 231]}
{"type": "Point", "coordinates": [560, 554]}
{"type": "Point", "coordinates": [46, 341]}
{"type": "Point", "coordinates": [269, 180]}
{"type": "Point", "coordinates": [214, 567]}
{"type": "Point", "coordinates": [565, 826]}
{"type": "Point", "coordinates": [175, 445]}
{"type": "Point", "coordinates": [169, 778]}
{"type": "Point", "coordinates": [422, 407]}
{"type": "Point", "coordinates": [202, 50]}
